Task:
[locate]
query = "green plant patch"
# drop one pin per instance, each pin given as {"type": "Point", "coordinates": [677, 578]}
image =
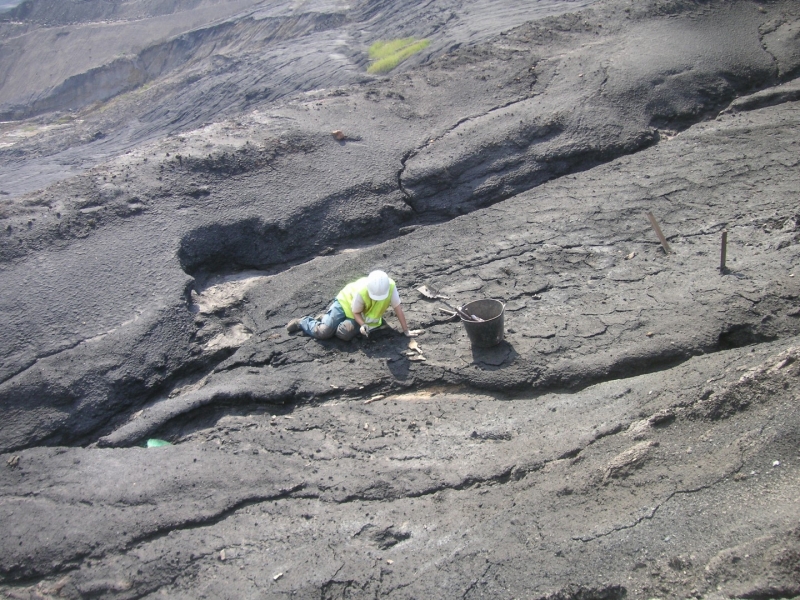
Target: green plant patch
{"type": "Point", "coordinates": [387, 55]}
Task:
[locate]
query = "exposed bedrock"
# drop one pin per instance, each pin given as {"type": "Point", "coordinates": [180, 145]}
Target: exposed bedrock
{"type": "Point", "coordinates": [385, 497]}
{"type": "Point", "coordinates": [659, 75]}
{"type": "Point", "coordinates": [589, 293]}
{"type": "Point", "coordinates": [65, 397]}
{"type": "Point", "coordinates": [275, 188]}
{"type": "Point", "coordinates": [356, 215]}
{"type": "Point", "coordinates": [70, 12]}
{"type": "Point", "coordinates": [634, 435]}
{"type": "Point", "coordinates": [247, 64]}
{"type": "Point", "coordinates": [43, 92]}
{"type": "Point", "coordinates": [244, 52]}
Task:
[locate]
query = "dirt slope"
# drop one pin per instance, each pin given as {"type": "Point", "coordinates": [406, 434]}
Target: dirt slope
{"type": "Point", "coordinates": [635, 434]}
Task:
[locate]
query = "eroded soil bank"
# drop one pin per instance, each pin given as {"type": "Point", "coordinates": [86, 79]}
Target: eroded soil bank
{"type": "Point", "coordinates": [636, 434]}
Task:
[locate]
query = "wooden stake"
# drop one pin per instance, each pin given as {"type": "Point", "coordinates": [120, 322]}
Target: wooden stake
{"type": "Point", "coordinates": [723, 251]}
{"type": "Point", "coordinates": [660, 235]}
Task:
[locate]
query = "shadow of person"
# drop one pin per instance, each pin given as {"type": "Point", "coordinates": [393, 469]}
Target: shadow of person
{"type": "Point", "coordinates": [400, 368]}
{"type": "Point", "coordinates": [385, 344]}
{"type": "Point", "coordinates": [389, 345]}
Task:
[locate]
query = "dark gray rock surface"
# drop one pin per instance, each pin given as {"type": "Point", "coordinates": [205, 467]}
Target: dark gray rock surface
{"type": "Point", "coordinates": [636, 433]}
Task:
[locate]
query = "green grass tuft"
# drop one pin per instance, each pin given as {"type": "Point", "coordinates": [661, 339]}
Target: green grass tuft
{"type": "Point", "coordinates": [387, 55]}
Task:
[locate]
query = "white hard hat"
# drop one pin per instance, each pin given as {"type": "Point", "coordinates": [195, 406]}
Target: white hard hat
{"type": "Point", "coordinates": [378, 285]}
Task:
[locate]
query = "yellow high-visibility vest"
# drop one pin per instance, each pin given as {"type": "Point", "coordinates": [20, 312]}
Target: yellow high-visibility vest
{"type": "Point", "coordinates": [373, 309]}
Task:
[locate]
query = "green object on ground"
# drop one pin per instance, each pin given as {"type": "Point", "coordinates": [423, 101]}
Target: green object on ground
{"type": "Point", "coordinates": [387, 55]}
{"type": "Point", "coordinates": [154, 443]}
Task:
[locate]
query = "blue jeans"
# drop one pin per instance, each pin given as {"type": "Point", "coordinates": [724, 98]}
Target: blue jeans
{"type": "Point", "coordinates": [329, 325]}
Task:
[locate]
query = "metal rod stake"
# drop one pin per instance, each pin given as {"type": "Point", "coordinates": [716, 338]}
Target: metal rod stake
{"type": "Point", "coordinates": [723, 251]}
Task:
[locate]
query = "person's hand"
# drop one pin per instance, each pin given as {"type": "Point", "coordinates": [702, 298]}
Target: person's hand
{"type": "Point", "coordinates": [364, 330]}
{"type": "Point", "coordinates": [410, 333]}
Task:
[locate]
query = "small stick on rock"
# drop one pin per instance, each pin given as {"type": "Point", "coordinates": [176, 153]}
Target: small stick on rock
{"type": "Point", "coordinates": [660, 235]}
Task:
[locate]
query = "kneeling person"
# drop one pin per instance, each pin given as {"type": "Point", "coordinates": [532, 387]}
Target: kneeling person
{"type": "Point", "coordinates": [358, 308]}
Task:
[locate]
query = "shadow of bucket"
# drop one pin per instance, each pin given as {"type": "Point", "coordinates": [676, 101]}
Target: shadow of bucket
{"type": "Point", "coordinates": [489, 332]}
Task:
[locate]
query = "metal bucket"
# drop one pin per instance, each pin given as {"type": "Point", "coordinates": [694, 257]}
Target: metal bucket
{"type": "Point", "coordinates": [489, 332]}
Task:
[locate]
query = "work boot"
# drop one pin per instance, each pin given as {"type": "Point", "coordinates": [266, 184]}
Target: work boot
{"type": "Point", "coordinates": [293, 326]}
